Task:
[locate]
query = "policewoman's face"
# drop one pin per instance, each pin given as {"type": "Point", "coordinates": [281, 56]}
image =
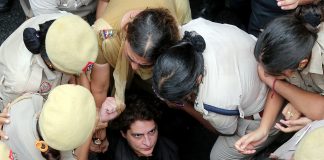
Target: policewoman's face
{"type": "Point", "coordinates": [142, 137]}
{"type": "Point", "coordinates": [135, 60]}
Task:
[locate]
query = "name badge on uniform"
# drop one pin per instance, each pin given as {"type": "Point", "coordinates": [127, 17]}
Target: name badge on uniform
{"type": "Point", "coordinates": [45, 87]}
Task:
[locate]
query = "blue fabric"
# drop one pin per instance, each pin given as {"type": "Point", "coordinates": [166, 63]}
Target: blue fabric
{"type": "Point", "coordinates": [221, 111]}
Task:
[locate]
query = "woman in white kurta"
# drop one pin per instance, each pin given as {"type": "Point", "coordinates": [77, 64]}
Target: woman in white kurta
{"type": "Point", "coordinates": [220, 77]}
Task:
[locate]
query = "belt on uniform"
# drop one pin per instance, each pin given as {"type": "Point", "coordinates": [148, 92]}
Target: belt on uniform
{"type": "Point", "coordinates": [256, 116]}
{"type": "Point", "coordinates": [228, 112]}
{"type": "Point", "coordinates": [221, 111]}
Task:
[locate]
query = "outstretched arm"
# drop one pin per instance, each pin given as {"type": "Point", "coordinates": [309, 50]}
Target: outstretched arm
{"type": "Point", "coordinates": [247, 143]}
{"type": "Point", "coordinates": [100, 82]}
{"type": "Point", "coordinates": [308, 103]}
{"type": "Point", "coordinates": [101, 6]}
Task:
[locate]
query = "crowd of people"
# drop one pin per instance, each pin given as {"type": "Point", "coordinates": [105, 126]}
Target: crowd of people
{"type": "Point", "coordinates": [248, 85]}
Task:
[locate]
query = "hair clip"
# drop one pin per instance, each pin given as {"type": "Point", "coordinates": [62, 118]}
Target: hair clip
{"type": "Point", "coordinates": [41, 146]}
{"type": "Point", "coordinates": [107, 33]}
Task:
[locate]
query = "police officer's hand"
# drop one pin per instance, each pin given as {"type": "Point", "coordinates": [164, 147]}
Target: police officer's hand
{"type": "Point", "coordinates": [292, 125]}
{"type": "Point", "coordinates": [108, 110]}
{"type": "Point", "coordinates": [99, 142]}
{"type": "Point", "coordinates": [265, 77]}
{"type": "Point", "coordinates": [290, 112]}
{"type": "Point", "coordinates": [247, 144]}
{"type": "Point", "coordinates": [4, 119]}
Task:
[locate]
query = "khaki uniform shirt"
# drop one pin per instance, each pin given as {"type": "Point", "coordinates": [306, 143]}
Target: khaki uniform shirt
{"type": "Point", "coordinates": [20, 70]}
{"type": "Point", "coordinates": [24, 112]}
{"type": "Point", "coordinates": [310, 79]}
{"type": "Point", "coordinates": [111, 47]}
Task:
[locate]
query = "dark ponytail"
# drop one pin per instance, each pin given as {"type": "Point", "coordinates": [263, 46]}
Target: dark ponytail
{"type": "Point", "coordinates": [31, 40]}
{"type": "Point", "coordinates": [196, 40]}
{"type": "Point", "coordinates": [35, 40]}
{"type": "Point", "coordinates": [289, 39]}
{"type": "Point", "coordinates": [151, 32]}
{"type": "Point", "coordinates": [310, 15]}
{"type": "Point", "coordinates": [177, 69]}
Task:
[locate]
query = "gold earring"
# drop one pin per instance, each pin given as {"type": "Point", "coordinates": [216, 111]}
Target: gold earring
{"type": "Point", "coordinates": [41, 146]}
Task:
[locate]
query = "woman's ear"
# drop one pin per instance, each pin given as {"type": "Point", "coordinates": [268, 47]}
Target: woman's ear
{"type": "Point", "coordinates": [302, 64]}
{"type": "Point", "coordinates": [199, 79]}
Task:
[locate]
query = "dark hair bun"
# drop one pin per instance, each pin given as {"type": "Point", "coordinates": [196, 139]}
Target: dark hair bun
{"type": "Point", "coordinates": [196, 40]}
{"type": "Point", "coordinates": [35, 40]}
{"type": "Point", "coordinates": [313, 19]}
{"type": "Point", "coordinates": [31, 40]}
{"type": "Point", "coordinates": [310, 15]}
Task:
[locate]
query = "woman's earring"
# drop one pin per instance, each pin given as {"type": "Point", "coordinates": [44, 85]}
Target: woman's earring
{"type": "Point", "coordinates": [300, 67]}
{"type": "Point", "coordinates": [41, 146]}
{"type": "Point", "coordinates": [302, 64]}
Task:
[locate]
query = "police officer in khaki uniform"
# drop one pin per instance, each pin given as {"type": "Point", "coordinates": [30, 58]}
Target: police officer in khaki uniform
{"type": "Point", "coordinates": [291, 48]}
{"type": "Point", "coordinates": [42, 63]}
{"type": "Point", "coordinates": [39, 127]}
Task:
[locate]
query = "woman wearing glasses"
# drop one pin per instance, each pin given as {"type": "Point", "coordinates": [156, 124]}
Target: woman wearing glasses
{"type": "Point", "coordinates": [131, 36]}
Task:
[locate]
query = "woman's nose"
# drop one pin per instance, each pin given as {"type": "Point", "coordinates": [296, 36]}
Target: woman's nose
{"type": "Point", "coordinates": [135, 66]}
